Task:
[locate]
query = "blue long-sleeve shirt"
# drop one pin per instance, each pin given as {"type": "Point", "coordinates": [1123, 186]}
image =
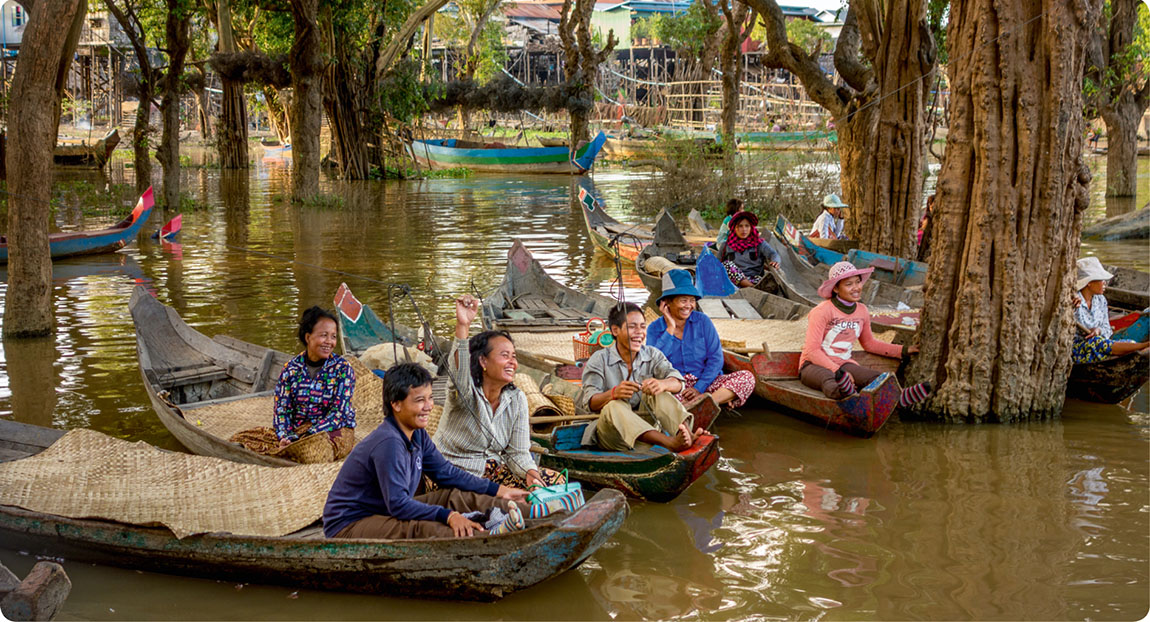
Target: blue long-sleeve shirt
{"type": "Point", "coordinates": [382, 473]}
{"type": "Point", "coordinates": [698, 353]}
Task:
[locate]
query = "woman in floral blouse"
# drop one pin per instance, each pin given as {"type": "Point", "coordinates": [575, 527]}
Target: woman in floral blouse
{"type": "Point", "coordinates": [1094, 342]}
{"type": "Point", "coordinates": [314, 390]}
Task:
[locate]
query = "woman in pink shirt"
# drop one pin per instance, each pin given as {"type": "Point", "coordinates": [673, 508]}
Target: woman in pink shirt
{"type": "Point", "coordinates": [833, 327]}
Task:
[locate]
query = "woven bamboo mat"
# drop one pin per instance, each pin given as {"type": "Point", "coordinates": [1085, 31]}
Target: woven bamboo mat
{"type": "Point", "coordinates": [225, 419]}
{"type": "Point", "coordinates": [86, 474]}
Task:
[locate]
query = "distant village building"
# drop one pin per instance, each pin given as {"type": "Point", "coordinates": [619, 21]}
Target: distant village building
{"type": "Point", "coordinates": [13, 19]}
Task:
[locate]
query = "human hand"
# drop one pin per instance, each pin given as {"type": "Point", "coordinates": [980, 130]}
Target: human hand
{"type": "Point", "coordinates": [285, 442]}
{"type": "Point", "coordinates": [689, 394]}
{"type": "Point", "coordinates": [665, 309]}
{"type": "Point", "coordinates": [1094, 332]}
{"type": "Point", "coordinates": [517, 495]}
{"type": "Point", "coordinates": [625, 390]}
{"type": "Point", "coordinates": [466, 308]}
{"type": "Point", "coordinates": [533, 479]}
{"type": "Point", "coordinates": [913, 350]}
{"type": "Point", "coordinates": [462, 526]}
{"type": "Point", "coordinates": [653, 386]}
{"type": "Point", "coordinates": [774, 264]}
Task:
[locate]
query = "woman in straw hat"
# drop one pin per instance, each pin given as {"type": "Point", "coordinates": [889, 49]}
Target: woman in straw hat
{"type": "Point", "coordinates": [830, 224]}
{"type": "Point", "coordinates": [314, 390]}
{"type": "Point", "coordinates": [485, 428]}
{"type": "Point", "coordinates": [745, 253]}
{"type": "Point", "coordinates": [689, 340]}
{"type": "Point", "coordinates": [1092, 342]}
{"type": "Point", "coordinates": [832, 328]}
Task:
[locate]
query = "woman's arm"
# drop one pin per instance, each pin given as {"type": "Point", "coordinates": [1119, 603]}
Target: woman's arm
{"type": "Point", "coordinates": [519, 441]}
{"type": "Point", "coordinates": [874, 346]}
{"type": "Point", "coordinates": [281, 420]}
{"type": "Point", "coordinates": [712, 353]}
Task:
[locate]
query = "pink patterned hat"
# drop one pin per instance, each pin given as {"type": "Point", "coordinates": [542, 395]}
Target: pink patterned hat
{"type": "Point", "coordinates": [839, 271]}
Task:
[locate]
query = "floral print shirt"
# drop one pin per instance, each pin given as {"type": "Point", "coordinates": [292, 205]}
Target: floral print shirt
{"type": "Point", "coordinates": [324, 401]}
{"type": "Point", "coordinates": [1097, 316]}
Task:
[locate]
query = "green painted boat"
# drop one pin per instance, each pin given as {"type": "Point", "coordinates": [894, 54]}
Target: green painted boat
{"type": "Point", "coordinates": [478, 568]}
{"type": "Point", "coordinates": [488, 158]}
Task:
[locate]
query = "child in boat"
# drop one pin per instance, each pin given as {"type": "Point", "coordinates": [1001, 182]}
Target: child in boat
{"type": "Point", "coordinates": [374, 494]}
{"type": "Point", "coordinates": [832, 328]}
{"type": "Point", "coordinates": [1093, 341]}
{"type": "Point", "coordinates": [314, 390]}
{"type": "Point", "coordinates": [632, 387]}
{"type": "Point", "coordinates": [734, 206]}
{"type": "Point", "coordinates": [484, 429]}
{"type": "Point", "coordinates": [745, 253]}
{"type": "Point", "coordinates": [830, 224]}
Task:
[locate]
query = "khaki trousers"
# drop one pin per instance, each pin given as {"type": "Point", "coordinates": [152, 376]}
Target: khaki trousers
{"type": "Point", "coordinates": [388, 528]}
{"type": "Point", "coordinates": [619, 427]}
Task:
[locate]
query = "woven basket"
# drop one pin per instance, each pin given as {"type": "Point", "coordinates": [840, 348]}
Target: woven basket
{"type": "Point", "coordinates": [581, 343]}
{"type": "Point", "coordinates": [310, 449]}
{"type": "Point", "coordinates": [537, 403]}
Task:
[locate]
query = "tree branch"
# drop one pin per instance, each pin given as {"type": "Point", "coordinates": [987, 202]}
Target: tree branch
{"type": "Point", "coordinates": [399, 43]}
{"type": "Point", "coordinates": [848, 54]}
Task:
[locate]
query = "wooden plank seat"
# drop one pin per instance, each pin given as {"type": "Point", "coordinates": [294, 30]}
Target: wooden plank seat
{"type": "Point", "coordinates": [192, 374]}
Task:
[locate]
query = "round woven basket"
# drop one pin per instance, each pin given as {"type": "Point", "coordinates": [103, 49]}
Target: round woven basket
{"type": "Point", "coordinates": [537, 404]}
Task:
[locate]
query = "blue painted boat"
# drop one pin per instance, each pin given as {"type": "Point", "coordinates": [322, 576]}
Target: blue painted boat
{"type": "Point", "coordinates": [74, 243]}
{"type": "Point", "coordinates": [492, 158]}
{"type": "Point", "coordinates": [1113, 380]}
{"type": "Point", "coordinates": [904, 272]}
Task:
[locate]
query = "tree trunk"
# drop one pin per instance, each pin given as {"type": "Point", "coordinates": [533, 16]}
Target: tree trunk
{"type": "Point", "coordinates": [581, 63]}
{"type": "Point", "coordinates": [203, 111]}
{"type": "Point", "coordinates": [996, 329]}
{"type": "Point", "coordinates": [307, 100]}
{"type": "Point", "coordinates": [233, 128]}
{"type": "Point", "coordinates": [141, 138]}
{"type": "Point", "coordinates": [732, 66]}
{"type": "Point", "coordinates": [1122, 119]}
{"type": "Point", "coordinates": [341, 102]}
{"type": "Point", "coordinates": [277, 114]}
{"type": "Point", "coordinates": [883, 158]}
{"type": "Point", "coordinates": [34, 114]}
{"type": "Point", "coordinates": [177, 26]}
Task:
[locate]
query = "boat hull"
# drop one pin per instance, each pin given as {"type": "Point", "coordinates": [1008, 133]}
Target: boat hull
{"type": "Point", "coordinates": [72, 244]}
{"type": "Point", "coordinates": [445, 154]}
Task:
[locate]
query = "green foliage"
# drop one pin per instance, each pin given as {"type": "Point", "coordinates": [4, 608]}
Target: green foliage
{"type": "Point", "coordinates": [323, 201]}
{"type": "Point", "coordinates": [402, 95]}
{"type": "Point", "coordinates": [808, 35]}
{"type": "Point", "coordinates": [456, 30]}
{"type": "Point", "coordinates": [687, 31]}
{"type": "Point", "coordinates": [937, 17]}
{"type": "Point", "coordinates": [408, 172]}
{"type": "Point", "coordinates": [643, 29]}
{"type": "Point", "coordinates": [1126, 69]}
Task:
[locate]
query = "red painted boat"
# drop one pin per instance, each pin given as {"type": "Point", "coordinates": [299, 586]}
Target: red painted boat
{"type": "Point", "coordinates": [170, 229]}
{"type": "Point", "coordinates": [72, 243]}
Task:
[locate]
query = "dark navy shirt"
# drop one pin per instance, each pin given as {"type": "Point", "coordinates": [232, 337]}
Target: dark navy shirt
{"type": "Point", "coordinates": [380, 476]}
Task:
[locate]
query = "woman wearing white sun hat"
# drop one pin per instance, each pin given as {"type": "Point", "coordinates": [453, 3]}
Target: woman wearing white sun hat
{"type": "Point", "coordinates": [1093, 341]}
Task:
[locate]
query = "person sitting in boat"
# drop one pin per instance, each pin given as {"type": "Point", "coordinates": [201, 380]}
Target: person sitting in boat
{"type": "Point", "coordinates": [833, 326]}
{"type": "Point", "coordinates": [734, 206]}
{"type": "Point", "coordinates": [313, 393]}
{"type": "Point", "coordinates": [688, 339]}
{"type": "Point", "coordinates": [485, 429]}
{"type": "Point", "coordinates": [745, 253]}
{"type": "Point", "coordinates": [374, 494]}
{"type": "Point", "coordinates": [632, 387]}
{"type": "Point", "coordinates": [830, 224]}
{"type": "Point", "coordinates": [1092, 342]}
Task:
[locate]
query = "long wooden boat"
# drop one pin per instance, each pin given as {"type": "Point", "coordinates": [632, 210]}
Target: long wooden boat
{"type": "Point", "coordinates": [611, 236]}
{"type": "Point", "coordinates": [654, 474]}
{"type": "Point", "coordinates": [73, 243]}
{"type": "Point", "coordinates": [79, 153]}
{"type": "Point", "coordinates": [183, 370]}
{"type": "Point", "coordinates": [1115, 379]}
{"type": "Point", "coordinates": [479, 568]}
{"type": "Point", "coordinates": [902, 272]}
{"type": "Point", "coordinates": [452, 153]}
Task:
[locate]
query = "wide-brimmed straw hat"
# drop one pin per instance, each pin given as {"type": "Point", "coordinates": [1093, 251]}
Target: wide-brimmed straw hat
{"type": "Point", "coordinates": [1090, 269]}
{"type": "Point", "coordinates": [833, 200]}
{"type": "Point", "coordinates": [839, 271]}
{"type": "Point", "coordinates": [743, 215]}
{"type": "Point", "coordinates": [678, 282]}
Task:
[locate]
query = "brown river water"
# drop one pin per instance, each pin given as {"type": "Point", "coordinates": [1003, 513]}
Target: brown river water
{"type": "Point", "coordinates": [1035, 521]}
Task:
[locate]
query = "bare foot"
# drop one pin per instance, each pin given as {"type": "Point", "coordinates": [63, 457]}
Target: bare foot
{"type": "Point", "coordinates": [683, 438]}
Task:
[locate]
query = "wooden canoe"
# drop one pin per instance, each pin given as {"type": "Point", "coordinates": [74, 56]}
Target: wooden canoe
{"type": "Point", "coordinates": [480, 568]}
{"type": "Point", "coordinates": [453, 153]}
{"type": "Point", "coordinates": [653, 475]}
{"type": "Point", "coordinates": [74, 243]}
{"type": "Point", "coordinates": [183, 369]}
{"type": "Point", "coordinates": [823, 254]}
{"type": "Point", "coordinates": [1115, 379]}
{"type": "Point", "coordinates": [613, 237]}
{"type": "Point", "coordinates": [79, 153]}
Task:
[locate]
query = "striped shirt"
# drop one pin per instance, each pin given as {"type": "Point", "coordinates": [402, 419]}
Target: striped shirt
{"type": "Point", "coordinates": [469, 433]}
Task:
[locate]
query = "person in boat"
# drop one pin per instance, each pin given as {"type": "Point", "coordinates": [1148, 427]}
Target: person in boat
{"type": "Point", "coordinates": [688, 339]}
{"type": "Point", "coordinates": [374, 494]}
{"type": "Point", "coordinates": [1092, 342]}
{"type": "Point", "coordinates": [830, 224]}
{"type": "Point", "coordinates": [631, 386]}
{"type": "Point", "coordinates": [832, 328]}
{"type": "Point", "coordinates": [485, 429]}
{"type": "Point", "coordinates": [744, 253]}
{"type": "Point", "coordinates": [314, 390]}
{"type": "Point", "coordinates": [734, 206]}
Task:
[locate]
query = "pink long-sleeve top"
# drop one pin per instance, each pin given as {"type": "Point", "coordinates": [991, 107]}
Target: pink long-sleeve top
{"type": "Point", "coordinates": [831, 333]}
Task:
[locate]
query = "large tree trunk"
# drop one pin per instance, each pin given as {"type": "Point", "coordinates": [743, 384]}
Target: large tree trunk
{"type": "Point", "coordinates": [233, 127]}
{"type": "Point", "coordinates": [278, 114]}
{"type": "Point", "coordinates": [1122, 146]}
{"type": "Point", "coordinates": [141, 138]}
{"type": "Point", "coordinates": [581, 63]}
{"type": "Point", "coordinates": [177, 26]}
{"type": "Point", "coordinates": [34, 114]}
{"type": "Point", "coordinates": [341, 95]}
{"type": "Point", "coordinates": [732, 66]}
{"type": "Point", "coordinates": [883, 156]}
{"type": "Point", "coordinates": [996, 329]}
{"type": "Point", "coordinates": [307, 100]}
